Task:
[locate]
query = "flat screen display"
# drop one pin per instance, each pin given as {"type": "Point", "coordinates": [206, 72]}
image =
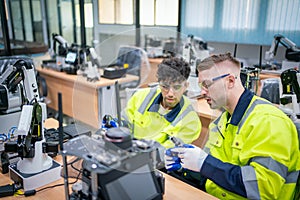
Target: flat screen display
{"type": "Point", "coordinates": [135, 185]}
{"type": "Point", "coordinates": [71, 57]}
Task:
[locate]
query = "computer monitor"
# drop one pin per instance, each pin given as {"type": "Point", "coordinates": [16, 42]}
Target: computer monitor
{"type": "Point", "coordinates": [71, 58]}
{"type": "Point", "coordinates": [136, 185]}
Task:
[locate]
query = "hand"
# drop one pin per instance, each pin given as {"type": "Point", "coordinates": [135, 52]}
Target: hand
{"type": "Point", "coordinates": [172, 163]}
{"type": "Point", "coordinates": [108, 122]}
{"type": "Point", "coordinates": [191, 158]}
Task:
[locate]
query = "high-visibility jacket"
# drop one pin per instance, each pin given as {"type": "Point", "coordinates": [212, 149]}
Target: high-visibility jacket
{"type": "Point", "coordinates": [146, 123]}
{"type": "Point", "coordinates": [253, 154]}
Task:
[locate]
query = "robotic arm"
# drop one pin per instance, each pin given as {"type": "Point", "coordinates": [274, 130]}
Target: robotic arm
{"type": "Point", "coordinates": [292, 53]}
{"type": "Point", "coordinates": [91, 63]}
{"type": "Point", "coordinates": [17, 86]}
{"type": "Point", "coordinates": [19, 92]}
{"type": "Point", "coordinates": [290, 94]}
{"type": "Point", "coordinates": [62, 48]}
{"type": "Point", "coordinates": [194, 48]}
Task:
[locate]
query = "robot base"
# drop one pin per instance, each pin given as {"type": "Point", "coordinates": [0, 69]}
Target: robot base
{"type": "Point", "coordinates": [33, 181]}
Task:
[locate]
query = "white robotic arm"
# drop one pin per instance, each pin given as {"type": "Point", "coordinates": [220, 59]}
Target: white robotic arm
{"type": "Point", "coordinates": [62, 48]}
{"type": "Point", "coordinates": [91, 63]}
{"type": "Point", "coordinates": [292, 52]}
{"type": "Point", "coordinates": [17, 86]}
{"type": "Point", "coordinates": [30, 133]}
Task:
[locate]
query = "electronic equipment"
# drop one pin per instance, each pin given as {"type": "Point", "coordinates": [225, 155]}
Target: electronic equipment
{"type": "Point", "coordinates": [17, 86]}
{"type": "Point", "coordinates": [290, 91]}
{"type": "Point", "coordinates": [250, 78]}
{"type": "Point", "coordinates": [70, 131]}
{"type": "Point", "coordinates": [194, 50]}
{"type": "Point", "coordinates": [35, 168]}
{"type": "Point", "coordinates": [66, 58]}
{"type": "Point", "coordinates": [113, 72]}
{"type": "Point", "coordinates": [62, 51]}
{"type": "Point", "coordinates": [116, 167]}
{"type": "Point", "coordinates": [19, 95]}
{"type": "Point", "coordinates": [292, 53]}
{"type": "Point", "coordinates": [91, 65]}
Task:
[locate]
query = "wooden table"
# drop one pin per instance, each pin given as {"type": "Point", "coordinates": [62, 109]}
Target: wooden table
{"type": "Point", "coordinates": [174, 188]}
{"type": "Point", "coordinates": [84, 101]}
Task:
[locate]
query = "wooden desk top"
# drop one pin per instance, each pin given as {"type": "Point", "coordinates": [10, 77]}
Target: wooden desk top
{"type": "Point", "coordinates": [155, 60]}
{"type": "Point", "coordinates": [174, 188]}
{"type": "Point", "coordinates": [263, 75]}
{"type": "Point", "coordinates": [83, 80]}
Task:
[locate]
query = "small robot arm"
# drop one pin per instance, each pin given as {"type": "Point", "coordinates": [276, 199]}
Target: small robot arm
{"type": "Point", "coordinates": [17, 86]}
{"type": "Point", "coordinates": [19, 92]}
{"type": "Point", "coordinates": [62, 48]}
{"type": "Point", "coordinates": [91, 63]}
{"type": "Point", "coordinates": [290, 94]}
{"type": "Point", "coordinates": [292, 53]}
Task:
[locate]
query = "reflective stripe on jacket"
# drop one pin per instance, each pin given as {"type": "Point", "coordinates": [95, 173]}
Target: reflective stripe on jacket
{"type": "Point", "coordinates": [146, 123]}
{"type": "Point", "coordinates": [264, 144]}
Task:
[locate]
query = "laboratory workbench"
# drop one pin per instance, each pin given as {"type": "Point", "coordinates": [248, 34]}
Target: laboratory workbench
{"type": "Point", "coordinates": [174, 188]}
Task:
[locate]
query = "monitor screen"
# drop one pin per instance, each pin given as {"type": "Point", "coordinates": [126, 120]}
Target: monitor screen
{"type": "Point", "coordinates": [136, 185]}
{"type": "Point", "coordinates": [71, 57]}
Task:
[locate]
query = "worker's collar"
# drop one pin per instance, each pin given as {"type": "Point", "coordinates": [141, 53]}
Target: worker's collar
{"type": "Point", "coordinates": [241, 107]}
{"type": "Point", "coordinates": [170, 116]}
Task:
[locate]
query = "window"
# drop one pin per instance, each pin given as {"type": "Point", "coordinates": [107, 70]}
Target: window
{"type": "Point", "coordinates": [242, 21]}
{"type": "Point", "coordinates": [115, 11]}
{"type": "Point", "coordinates": [239, 14]}
{"type": "Point", "coordinates": [159, 12]}
{"type": "Point", "coordinates": [88, 18]}
{"type": "Point", "coordinates": [200, 13]}
{"type": "Point", "coordinates": [152, 12]}
{"type": "Point", "coordinates": [283, 15]}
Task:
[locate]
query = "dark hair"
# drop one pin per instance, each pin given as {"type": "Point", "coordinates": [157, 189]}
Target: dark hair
{"type": "Point", "coordinates": [173, 70]}
{"type": "Point", "coordinates": [210, 61]}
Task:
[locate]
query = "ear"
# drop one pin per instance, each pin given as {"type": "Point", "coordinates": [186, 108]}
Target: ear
{"type": "Point", "coordinates": [231, 81]}
{"type": "Point", "coordinates": [187, 84]}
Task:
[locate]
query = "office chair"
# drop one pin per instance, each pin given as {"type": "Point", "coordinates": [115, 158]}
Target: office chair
{"type": "Point", "coordinates": [136, 58]}
{"type": "Point", "coordinates": [270, 89]}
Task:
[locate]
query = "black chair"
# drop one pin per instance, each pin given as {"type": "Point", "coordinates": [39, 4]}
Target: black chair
{"type": "Point", "coordinates": [270, 89]}
{"type": "Point", "coordinates": [136, 58]}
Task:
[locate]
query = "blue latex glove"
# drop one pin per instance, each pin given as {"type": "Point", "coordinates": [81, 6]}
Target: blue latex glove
{"type": "Point", "coordinates": [191, 158]}
{"type": "Point", "coordinates": [108, 122]}
{"type": "Point", "coordinates": [172, 161]}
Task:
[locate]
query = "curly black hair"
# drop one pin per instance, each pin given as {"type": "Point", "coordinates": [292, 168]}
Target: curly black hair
{"type": "Point", "coordinates": [173, 70]}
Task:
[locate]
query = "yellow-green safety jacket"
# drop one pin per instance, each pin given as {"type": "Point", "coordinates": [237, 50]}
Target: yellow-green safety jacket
{"type": "Point", "coordinates": [146, 123]}
{"type": "Point", "coordinates": [253, 154]}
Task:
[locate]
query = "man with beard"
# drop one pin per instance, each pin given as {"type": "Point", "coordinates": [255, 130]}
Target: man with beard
{"type": "Point", "coordinates": [253, 147]}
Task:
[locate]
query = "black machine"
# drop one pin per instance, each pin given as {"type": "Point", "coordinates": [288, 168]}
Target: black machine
{"type": "Point", "coordinates": [292, 51]}
{"type": "Point", "coordinates": [290, 94]}
{"type": "Point", "coordinates": [116, 167]}
{"type": "Point", "coordinates": [65, 57]}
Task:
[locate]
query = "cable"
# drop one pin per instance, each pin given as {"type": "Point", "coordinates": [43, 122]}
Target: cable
{"type": "Point", "coordinates": [61, 184]}
{"type": "Point", "coordinates": [32, 192]}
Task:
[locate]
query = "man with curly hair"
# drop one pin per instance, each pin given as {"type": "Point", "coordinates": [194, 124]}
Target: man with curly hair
{"type": "Point", "coordinates": [163, 112]}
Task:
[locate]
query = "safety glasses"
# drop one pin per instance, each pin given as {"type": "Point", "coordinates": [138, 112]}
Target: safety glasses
{"type": "Point", "coordinates": [207, 83]}
{"type": "Point", "coordinates": [176, 87]}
